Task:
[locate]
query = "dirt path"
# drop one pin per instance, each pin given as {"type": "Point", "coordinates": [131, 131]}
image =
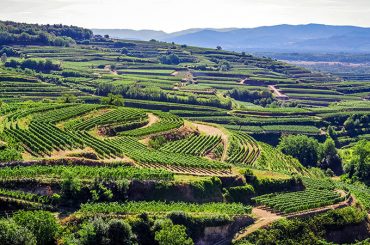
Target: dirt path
{"type": "Point", "coordinates": [151, 120]}
{"type": "Point", "coordinates": [276, 91]}
{"type": "Point", "coordinates": [109, 68]}
{"type": "Point", "coordinates": [243, 81]}
{"type": "Point", "coordinates": [264, 218]}
{"type": "Point", "coordinates": [214, 131]}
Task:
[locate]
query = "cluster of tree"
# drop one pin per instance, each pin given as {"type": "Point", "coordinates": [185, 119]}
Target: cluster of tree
{"type": "Point", "coordinates": [311, 153]}
{"type": "Point", "coordinates": [34, 34]}
{"type": "Point", "coordinates": [36, 65]}
{"type": "Point", "coordinates": [9, 52]}
{"type": "Point", "coordinates": [170, 59]}
{"type": "Point", "coordinates": [113, 99]}
{"type": "Point", "coordinates": [143, 230]}
{"type": "Point", "coordinates": [356, 122]}
{"type": "Point", "coordinates": [358, 167]}
{"type": "Point", "coordinates": [262, 98]}
{"type": "Point", "coordinates": [156, 94]}
{"type": "Point", "coordinates": [29, 228]}
{"type": "Point", "coordinates": [224, 65]}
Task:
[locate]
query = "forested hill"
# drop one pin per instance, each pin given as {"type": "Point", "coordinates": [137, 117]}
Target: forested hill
{"type": "Point", "coordinates": [34, 34]}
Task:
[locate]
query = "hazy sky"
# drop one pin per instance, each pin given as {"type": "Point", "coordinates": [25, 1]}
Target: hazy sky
{"type": "Point", "coordinates": [173, 15]}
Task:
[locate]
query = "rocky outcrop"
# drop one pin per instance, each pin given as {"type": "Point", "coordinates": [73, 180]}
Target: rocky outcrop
{"type": "Point", "coordinates": [223, 234]}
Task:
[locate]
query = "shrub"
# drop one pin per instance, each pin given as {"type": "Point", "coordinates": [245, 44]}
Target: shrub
{"type": "Point", "coordinates": [242, 194]}
{"type": "Point", "coordinates": [171, 234]}
{"type": "Point", "coordinates": [13, 234]}
{"type": "Point", "coordinates": [42, 224]}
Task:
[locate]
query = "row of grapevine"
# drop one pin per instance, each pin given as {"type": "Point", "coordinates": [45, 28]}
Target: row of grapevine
{"type": "Point", "coordinates": [61, 114]}
{"type": "Point", "coordinates": [243, 149]}
{"type": "Point", "coordinates": [139, 152]}
{"type": "Point", "coordinates": [27, 196]}
{"type": "Point", "coordinates": [194, 145]}
{"type": "Point", "coordinates": [232, 209]}
{"type": "Point", "coordinates": [103, 148]}
{"type": "Point", "coordinates": [83, 172]}
{"type": "Point", "coordinates": [273, 159]}
{"type": "Point", "coordinates": [299, 200]}
{"type": "Point", "coordinates": [166, 122]}
{"type": "Point", "coordinates": [111, 117]}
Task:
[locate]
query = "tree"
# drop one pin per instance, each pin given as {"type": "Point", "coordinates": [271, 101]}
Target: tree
{"type": "Point", "coordinates": [13, 234]}
{"type": "Point", "coordinates": [42, 224]}
{"type": "Point", "coordinates": [171, 59]}
{"type": "Point", "coordinates": [113, 99]}
{"type": "Point", "coordinates": [329, 157]}
{"type": "Point", "coordinates": [68, 98]}
{"type": "Point", "coordinates": [94, 232]}
{"type": "Point", "coordinates": [4, 58]}
{"type": "Point", "coordinates": [304, 148]}
{"type": "Point", "coordinates": [219, 48]}
{"type": "Point", "coordinates": [224, 66]}
{"type": "Point", "coordinates": [119, 232]}
{"type": "Point", "coordinates": [124, 51]}
{"type": "Point", "coordinates": [358, 167]}
{"type": "Point", "coordinates": [171, 234]}
{"type": "Point", "coordinates": [71, 188]}
{"type": "Point", "coordinates": [142, 228]}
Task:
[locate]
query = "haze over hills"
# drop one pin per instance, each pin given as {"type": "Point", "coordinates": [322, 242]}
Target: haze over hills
{"type": "Point", "coordinates": [292, 38]}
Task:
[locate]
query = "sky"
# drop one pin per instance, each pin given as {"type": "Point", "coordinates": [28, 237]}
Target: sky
{"type": "Point", "coordinates": [175, 15]}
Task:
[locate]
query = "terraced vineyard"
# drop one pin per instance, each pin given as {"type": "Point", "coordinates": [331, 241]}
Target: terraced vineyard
{"type": "Point", "coordinates": [317, 194]}
{"type": "Point", "coordinates": [148, 136]}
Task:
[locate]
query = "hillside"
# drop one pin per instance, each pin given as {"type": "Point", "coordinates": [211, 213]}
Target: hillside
{"type": "Point", "coordinates": [112, 141]}
{"type": "Point", "coordinates": [281, 38]}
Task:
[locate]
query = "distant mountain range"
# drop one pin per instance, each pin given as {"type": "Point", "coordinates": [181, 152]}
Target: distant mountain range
{"type": "Point", "coordinates": [279, 38]}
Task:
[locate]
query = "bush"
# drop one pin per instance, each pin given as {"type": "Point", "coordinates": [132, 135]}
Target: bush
{"type": "Point", "coordinates": [119, 232]}
{"type": "Point", "coordinates": [263, 186]}
{"type": "Point", "coordinates": [171, 59]}
{"type": "Point", "coordinates": [13, 234]}
{"type": "Point", "coordinates": [242, 194]}
{"type": "Point", "coordinates": [171, 234]}
{"type": "Point", "coordinates": [42, 224]}
{"type": "Point", "coordinates": [10, 154]}
{"type": "Point", "coordinates": [99, 231]}
{"type": "Point", "coordinates": [143, 230]}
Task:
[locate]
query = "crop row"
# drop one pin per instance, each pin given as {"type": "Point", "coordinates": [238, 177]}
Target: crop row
{"type": "Point", "coordinates": [25, 196]}
{"type": "Point", "coordinates": [299, 200]}
{"type": "Point", "coordinates": [84, 172]}
{"type": "Point", "coordinates": [232, 209]}
{"type": "Point", "coordinates": [115, 116]}
{"type": "Point", "coordinates": [167, 121]}
{"type": "Point", "coordinates": [194, 145]}
{"type": "Point", "coordinates": [243, 149]}
{"type": "Point", "coordinates": [57, 115]}
{"type": "Point", "coordinates": [139, 152]}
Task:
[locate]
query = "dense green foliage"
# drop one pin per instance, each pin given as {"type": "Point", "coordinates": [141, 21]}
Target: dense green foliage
{"type": "Point", "coordinates": [28, 34]}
